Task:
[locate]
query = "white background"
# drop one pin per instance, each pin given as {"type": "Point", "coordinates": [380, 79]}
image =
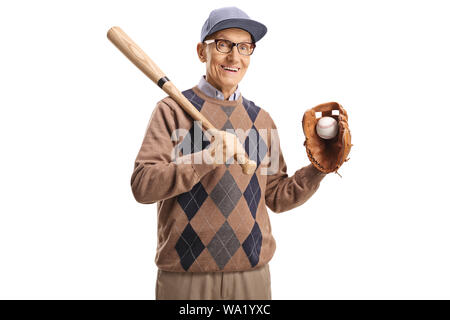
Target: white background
{"type": "Point", "coordinates": [74, 111]}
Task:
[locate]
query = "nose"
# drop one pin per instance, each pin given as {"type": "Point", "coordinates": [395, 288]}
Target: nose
{"type": "Point", "coordinates": [234, 54]}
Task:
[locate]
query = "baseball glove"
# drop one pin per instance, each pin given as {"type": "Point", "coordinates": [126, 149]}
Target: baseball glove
{"type": "Point", "coordinates": [327, 155]}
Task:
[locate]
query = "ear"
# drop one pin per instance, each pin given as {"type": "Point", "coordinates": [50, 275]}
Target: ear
{"type": "Point", "coordinates": [201, 51]}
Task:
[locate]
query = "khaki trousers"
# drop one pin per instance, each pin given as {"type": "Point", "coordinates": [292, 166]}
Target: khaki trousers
{"type": "Point", "coordinates": [241, 285]}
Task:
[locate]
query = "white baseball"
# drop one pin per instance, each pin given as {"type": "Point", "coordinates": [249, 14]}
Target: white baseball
{"type": "Point", "coordinates": [327, 128]}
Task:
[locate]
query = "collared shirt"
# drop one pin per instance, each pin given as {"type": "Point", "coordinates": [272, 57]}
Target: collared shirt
{"type": "Point", "coordinates": [212, 92]}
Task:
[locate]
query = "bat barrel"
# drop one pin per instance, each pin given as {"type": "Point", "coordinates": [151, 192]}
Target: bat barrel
{"type": "Point", "coordinates": [135, 54]}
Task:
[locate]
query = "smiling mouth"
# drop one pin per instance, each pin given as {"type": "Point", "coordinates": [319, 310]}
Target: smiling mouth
{"type": "Point", "coordinates": [230, 69]}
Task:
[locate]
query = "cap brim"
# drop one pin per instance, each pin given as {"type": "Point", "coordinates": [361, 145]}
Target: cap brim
{"type": "Point", "coordinates": [257, 30]}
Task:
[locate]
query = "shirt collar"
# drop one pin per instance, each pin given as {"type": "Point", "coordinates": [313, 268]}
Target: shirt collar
{"type": "Point", "coordinates": [212, 92]}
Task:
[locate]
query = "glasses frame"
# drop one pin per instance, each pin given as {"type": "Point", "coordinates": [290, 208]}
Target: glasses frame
{"type": "Point", "coordinates": [232, 45]}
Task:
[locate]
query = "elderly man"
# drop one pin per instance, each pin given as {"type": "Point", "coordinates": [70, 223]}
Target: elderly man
{"type": "Point", "coordinates": [214, 233]}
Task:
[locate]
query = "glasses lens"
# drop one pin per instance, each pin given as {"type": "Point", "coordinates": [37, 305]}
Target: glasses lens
{"type": "Point", "coordinates": [246, 48]}
{"type": "Point", "coordinates": [224, 46]}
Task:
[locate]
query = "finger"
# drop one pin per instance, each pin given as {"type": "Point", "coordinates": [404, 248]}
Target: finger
{"type": "Point", "coordinates": [240, 158]}
{"type": "Point", "coordinates": [211, 133]}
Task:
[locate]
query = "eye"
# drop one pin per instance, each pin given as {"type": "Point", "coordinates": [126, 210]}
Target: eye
{"type": "Point", "coordinates": [223, 44]}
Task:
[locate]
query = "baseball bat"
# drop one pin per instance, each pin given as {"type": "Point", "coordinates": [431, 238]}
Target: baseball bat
{"type": "Point", "coordinates": [140, 59]}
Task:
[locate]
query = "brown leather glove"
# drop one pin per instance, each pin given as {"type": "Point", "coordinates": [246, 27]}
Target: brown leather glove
{"type": "Point", "coordinates": [327, 155]}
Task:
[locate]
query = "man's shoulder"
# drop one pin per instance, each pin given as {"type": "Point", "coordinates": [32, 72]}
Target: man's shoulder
{"type": "Point", "coordinates": [188, 93]}
{"type": "Point", "coordinates": [250, 104]}
{"type": "Point", "coordinates": [254, 110]}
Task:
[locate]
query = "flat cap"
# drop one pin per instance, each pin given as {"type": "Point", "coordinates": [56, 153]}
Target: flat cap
{"type": "Point", "coordinates": [232, 17]}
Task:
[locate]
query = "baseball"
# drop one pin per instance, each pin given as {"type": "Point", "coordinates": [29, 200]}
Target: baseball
{"type": "Point", "coordinates": [327, 128]}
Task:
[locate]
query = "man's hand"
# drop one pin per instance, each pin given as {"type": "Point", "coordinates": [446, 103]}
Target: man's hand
{"type": "Point", "coordinates": [224, 146]}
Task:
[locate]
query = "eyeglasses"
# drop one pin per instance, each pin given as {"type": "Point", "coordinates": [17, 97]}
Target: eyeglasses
{"type": "Point", "coordinates": [225, 46]}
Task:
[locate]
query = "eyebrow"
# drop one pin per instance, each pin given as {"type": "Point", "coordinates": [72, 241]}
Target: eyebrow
{"type": "Point", "coordinates": [220, 37]}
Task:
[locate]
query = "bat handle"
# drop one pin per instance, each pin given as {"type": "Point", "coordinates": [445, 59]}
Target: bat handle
{"type": "Point", "coordinates": [248, 166]}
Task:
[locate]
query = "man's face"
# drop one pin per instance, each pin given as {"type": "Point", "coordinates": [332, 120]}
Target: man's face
{"type": "Point", "coordinates": [222, 79]}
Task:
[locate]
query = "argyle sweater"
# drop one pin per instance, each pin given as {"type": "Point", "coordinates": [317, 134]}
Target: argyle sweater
{"type": "Point", "coordinates": [213, 218]}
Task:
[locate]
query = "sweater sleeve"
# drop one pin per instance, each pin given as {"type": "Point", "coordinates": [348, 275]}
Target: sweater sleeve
{"type": "Point", "coordinates": [285, 193]}
{"type": "Point", "coordinates": [157, 176]}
